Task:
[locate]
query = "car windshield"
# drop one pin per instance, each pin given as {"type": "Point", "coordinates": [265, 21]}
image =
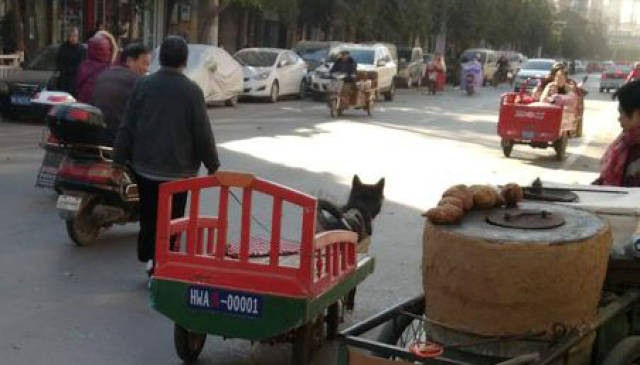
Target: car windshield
{"type": "Point", "coordinates": [256, 58]}
{"type": "Point", "coordinates": [315, 54]}
{"type": "Point", "coordinates": [405, 53]}
{"type": "Point", "coordinates": [468, 56]}
{"type": "Point", "coordinates": [619, 69]}
{"type": "Point", "coordinates": [538, 65]}
{"type": "Point", "coordinates": [45, 60]}
{"type": "Point", "coordinates": [360, 56]}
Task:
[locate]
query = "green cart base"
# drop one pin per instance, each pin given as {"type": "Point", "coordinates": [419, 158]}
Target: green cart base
{"type": "Point", "coordinates": [280, 316]}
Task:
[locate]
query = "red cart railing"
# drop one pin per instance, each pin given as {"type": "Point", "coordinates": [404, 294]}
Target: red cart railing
{"type": "Point", "coordinates": [206, 257]}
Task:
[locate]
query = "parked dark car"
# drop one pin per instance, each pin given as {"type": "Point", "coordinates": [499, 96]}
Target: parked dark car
{"type": "Point", "coordinates": [20, 85]}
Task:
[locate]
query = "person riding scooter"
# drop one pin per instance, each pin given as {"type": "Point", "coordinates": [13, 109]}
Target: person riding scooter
{"type": "Point", "coordinates": [472, 75]}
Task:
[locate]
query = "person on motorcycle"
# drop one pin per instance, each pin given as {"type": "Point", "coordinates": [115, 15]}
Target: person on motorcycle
{"type": "Point", "coordinates": [503, 65]}
{"type": "Point", "coordinates": [345, 64]}
{"type": "Point", "coordinates": [620, 165]}
{"type": "Point", "coordinates": [634, 74]}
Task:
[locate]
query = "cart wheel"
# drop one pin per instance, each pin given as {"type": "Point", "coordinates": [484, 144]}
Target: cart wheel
{"type": "Point", "coordinates": [302, 344]}
{"type": "Point", "coordinates": [626, 352]}
{"type": "Point", "coordinates": [333, 107]}
{"type": "Point", "coordinates": [188, 344]}
{"type": "Point", "coordinates": [507, 148]}
{"type": "Point", "coordinates": [82, 228]}
{"type": "Point", "coordinates": [561, 147]}
{"type": "Point", "coordinates": [403, 330]}
{"type": "Point", "coordinates": [333, 319]}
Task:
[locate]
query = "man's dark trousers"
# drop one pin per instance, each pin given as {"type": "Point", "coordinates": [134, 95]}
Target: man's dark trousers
{"type": "Point", "coordinates": [148, 190]}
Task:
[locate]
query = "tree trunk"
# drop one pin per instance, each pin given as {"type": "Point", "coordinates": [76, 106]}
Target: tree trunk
{"type": "Point", "coordinates": [19, 25]}
{"type": "Point", "coordinates": [210, 27]}
{"type": "Point", "coordinates": [243, 29]}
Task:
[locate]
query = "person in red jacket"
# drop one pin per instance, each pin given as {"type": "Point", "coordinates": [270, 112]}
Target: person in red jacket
{"type": "Point", "coordinates": [102, 51]}
{"type": "Point", "coordinates": [635, 73]}
{"type": "Point", "coordinates": [621, 163]}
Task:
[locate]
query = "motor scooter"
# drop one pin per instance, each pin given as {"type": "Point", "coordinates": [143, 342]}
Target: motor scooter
{"type": "Point", "coordinates": [471, 76]}
{"type": "Point", "coordinates": [94, 194]}
{"type": "Point", "coordinates": [52, 157]}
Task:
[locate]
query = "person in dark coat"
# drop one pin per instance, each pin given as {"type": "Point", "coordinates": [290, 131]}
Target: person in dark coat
{"type": "Point", "coordinates": [70, 54]}
{"type": "Point", "coordinates": [165, 135]}
{"type": "Point", "coordinates": [101, 52]}
{"type": "Point", "coordinates": [345, 64]}
{"type": "Point", "coordinates": [115, 85]}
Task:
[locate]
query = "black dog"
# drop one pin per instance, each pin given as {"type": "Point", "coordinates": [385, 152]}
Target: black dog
{"type": "Point", "coordinates": [364, 204]}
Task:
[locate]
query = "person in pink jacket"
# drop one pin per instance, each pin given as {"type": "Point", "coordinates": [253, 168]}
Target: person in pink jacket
{"type": "Point", "coordinates": [634, 74]}
{"type": "Point", "coordinates": [559, 91]}
{"type": "Point", "coordinates": [102, 51]}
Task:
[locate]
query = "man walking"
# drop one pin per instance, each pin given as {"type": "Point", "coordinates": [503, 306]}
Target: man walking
{"type": "Point", "coordinates": [70, 55]}
{"type": "Point", "coordinates": [115, 85]}
{"type": "Point", "coordinates": [165, 136]}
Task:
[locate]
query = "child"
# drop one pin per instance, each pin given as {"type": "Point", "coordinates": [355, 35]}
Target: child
{"type": "Point", "coordinates": [621, 162]}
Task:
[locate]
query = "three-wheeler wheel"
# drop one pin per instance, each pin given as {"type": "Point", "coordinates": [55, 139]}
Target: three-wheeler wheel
{"type": "Point", "coordinates": [507, 147]}
{"type": "Point", "coordinates": [560, 146]}
{"type": "Point", "coordinates": [188, 344]}
{"type": "Point", "coordinates": [625, 352]}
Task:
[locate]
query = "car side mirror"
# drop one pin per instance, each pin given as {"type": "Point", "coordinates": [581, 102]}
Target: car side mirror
{"type": "Point", "coordinates": [282, 63]}
{"type": "Point", "coordinates": [381, 63]}
{"type": "Point", "coordinates": [213, 67]}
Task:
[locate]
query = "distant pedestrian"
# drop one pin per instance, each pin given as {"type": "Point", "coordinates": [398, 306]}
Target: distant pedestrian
{"type": "Point", "coordinates": [115, 85]}
{"type": "Point", "coordinates": [165, 135]}
{"type": "Point", "coordinates": [70, 54]}
{"type": "Point", "coordinates": [102, 50]}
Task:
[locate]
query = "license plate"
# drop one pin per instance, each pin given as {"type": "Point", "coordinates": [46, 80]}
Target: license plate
{"type": "Point", "coordinates": [225, 301]}
{"type": "Point", "coordinates": [69, 203]}
{"type": "Point", "coordinates": [49, 169]}
{"type": "Point", "coordinates": [20, 100]}
{"type": "Point", "coordinates": [528, 134]}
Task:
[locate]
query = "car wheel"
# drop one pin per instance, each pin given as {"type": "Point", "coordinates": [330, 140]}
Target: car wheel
{"type": "Point", "coordinates": [275, 92]}
{"type": "Point", "coordinates": [231, 102]}
{"type": "Point", "coordinates": [303, 90]}
{"type": "Point", "coordinates": [389, 95]}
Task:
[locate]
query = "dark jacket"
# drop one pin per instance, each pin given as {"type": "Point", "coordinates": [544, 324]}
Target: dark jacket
{"type": "Point", "coordinates": [348, 66]}
{"type": "Point", "coordinates": [67, 62]}
{"type": "Point", "coordinates": [98, 60]}
{"type": "Point", "coordinates": [166, 130]}
{"type": "Point", "coordinates": [111, 93]}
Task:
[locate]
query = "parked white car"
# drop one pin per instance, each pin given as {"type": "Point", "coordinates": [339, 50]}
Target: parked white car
{"type": "Point", "coordinates": [369, 57]}
{"type": "Point", "coordinates": [213, 69]}
{"type": "Point", "coordinates": [272, 73]}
